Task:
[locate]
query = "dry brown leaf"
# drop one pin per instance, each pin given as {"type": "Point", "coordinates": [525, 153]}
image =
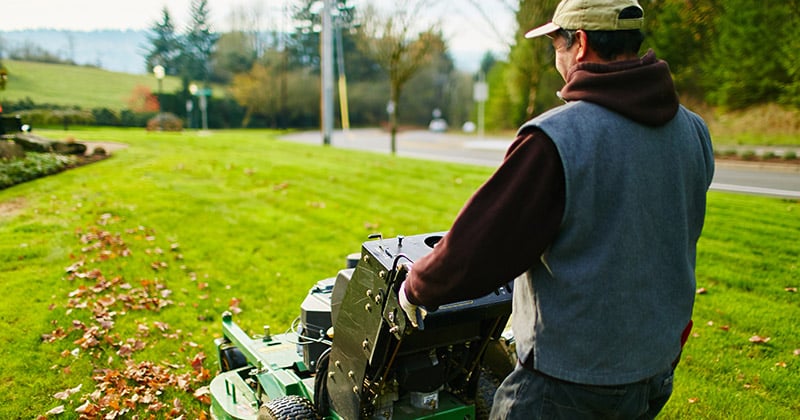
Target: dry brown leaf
{"type": "Point", "coordinates": [233, 306]}
{"type": "Point", "coordinates": [87, 409]}
{"type": "Point", "coordinates": [759, 340]}
{"type": "Point", "coordinates": [63, 395]}
{"type": "Point", "coordinates": [55, 410]}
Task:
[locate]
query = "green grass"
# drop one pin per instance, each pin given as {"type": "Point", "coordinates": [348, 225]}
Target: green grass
{"type": "Point", "coordinates": [749, 266]}
{"type": "Point", "coordinates": [240, 219]}
{"type": "Point", "coordinates": [255, 219]}
{"type": "Point", "coordinates": [86, 87]}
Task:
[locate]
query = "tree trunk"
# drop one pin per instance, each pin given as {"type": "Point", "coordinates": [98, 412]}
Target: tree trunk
{"type": "Point", "coordinates": [393, 117]}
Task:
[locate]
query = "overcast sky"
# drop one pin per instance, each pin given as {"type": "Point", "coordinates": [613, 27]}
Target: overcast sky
{"type": "Point", "coordinates": [462, 23]}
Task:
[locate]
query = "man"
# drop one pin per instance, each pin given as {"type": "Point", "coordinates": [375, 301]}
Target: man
{"type": "Point", "coordinates": [596, 211]}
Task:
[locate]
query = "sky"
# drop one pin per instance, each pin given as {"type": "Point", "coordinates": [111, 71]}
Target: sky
{"type": "Point", "coordinates": [462, 23]}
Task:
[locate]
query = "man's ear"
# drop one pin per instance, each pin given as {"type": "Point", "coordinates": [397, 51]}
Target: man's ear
{"type": "Point", "coordinates": [580, 38]}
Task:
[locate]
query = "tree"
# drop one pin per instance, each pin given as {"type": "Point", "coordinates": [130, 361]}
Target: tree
{"type": "Point", "coordinates": [745, 71]}
{"type": "Point", "coordinates": [234, 54]}
{"type": "Point", "coordinates": [531, 60]}
{"type": "Point", "coordinates": [788, 54]}
{"type": "Point", "coordinates": [238, 49]}
{"type": "Point", "coordinates": [253, 90]}
{"type": "Point", "coordinates": [390, 42]}
{"type": "Point", "coordinates": [256, 92]}
{"type": "Point", "coordinates": [683, 33]}
{"type": "Point", "coordinates": [303, 44]}
{"type": "Point", "coordinates": [3, 78]}
{"type": "Point", "coordinates": [198, 44]}
{"type": "Point", "coordinates": [165, 45]}
{"type": "Point", "coordinates": [435, 85]}
{"type": "Point", "coordinates": [487, 62]}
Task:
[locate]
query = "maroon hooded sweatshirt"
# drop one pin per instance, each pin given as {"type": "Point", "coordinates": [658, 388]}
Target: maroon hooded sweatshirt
{"type": "Point", "coordinates": [508, 223]}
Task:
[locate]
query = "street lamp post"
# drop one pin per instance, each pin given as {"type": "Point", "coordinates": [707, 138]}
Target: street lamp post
{"type": "Point", "coordinates": [204, 109]}
{"type": "Point", "coordinates": [193, 92]}
{"type": "Point", "coordinates": [202, 93]}
{"type": "Point", "coordinates": [159, 72]}
{"type": "Point", "coordinates": [189, 107]}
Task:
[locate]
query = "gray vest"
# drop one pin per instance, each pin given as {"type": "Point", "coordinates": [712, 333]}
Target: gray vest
{"type": "Point", "coordinates": [608, 301]}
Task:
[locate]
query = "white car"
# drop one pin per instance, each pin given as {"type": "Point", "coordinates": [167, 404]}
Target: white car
{"type": "Point", "coordinates": [438, 125]}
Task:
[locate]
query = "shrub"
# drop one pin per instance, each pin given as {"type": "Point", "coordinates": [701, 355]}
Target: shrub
{"type": "Point", "coordinates": [129, 118]}
{"type": "Point", "coordinates": [165, 121]}
{"type": "Point", "coordinates": [51, 117]}
{"type": "Point", "coordinates": [32, 166]}
{"type": "Point", "coordinates": [790, 155]}
{"type": "Point", "coordinates": [105, 116]}
{"type": "Point", "coordinates": [748, 155]}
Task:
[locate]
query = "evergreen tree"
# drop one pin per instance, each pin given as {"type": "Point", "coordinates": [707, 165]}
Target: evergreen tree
{"type": "Point", "coordinates": [165, 45]}
{"type": "Point", "coordinates": [744, 63]}
{"type": "Point", "coordinates": [303, 44]}
{"type": "Point", "coordinates": [787, 55]}
{"type": "Point", "coordinates": [198, 43]}
{"type": "Point", "coordinates": [681, 33]}
{"type": "Point", "coordinates": [487, 62]}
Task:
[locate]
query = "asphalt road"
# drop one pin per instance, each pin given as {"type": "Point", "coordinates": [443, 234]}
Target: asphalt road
{"type": "Point", "coordinates": [774, 180]}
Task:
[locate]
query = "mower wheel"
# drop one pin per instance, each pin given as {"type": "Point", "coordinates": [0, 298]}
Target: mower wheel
{"type": "Point", "coordinates": [488, 382]}
{"type": "Point", "coordinates": [230, 358]}
{"type": "Point", "coordinates": [288, 407]}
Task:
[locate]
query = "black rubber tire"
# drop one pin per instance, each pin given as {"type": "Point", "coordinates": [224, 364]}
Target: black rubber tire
{"type": "Point", "coordinates": [488, 382]}
{"type": "Point", "coordinates": [231, 358]}
{"type": "Point", "coordinates": [289, 407]}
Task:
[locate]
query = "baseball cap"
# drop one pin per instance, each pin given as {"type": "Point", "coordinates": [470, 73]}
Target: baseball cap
{"type": "Point", "coordinates": [590, 15]}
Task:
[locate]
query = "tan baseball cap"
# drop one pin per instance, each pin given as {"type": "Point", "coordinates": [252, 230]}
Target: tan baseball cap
{"type": "Point", "coordinates": [590, 15]}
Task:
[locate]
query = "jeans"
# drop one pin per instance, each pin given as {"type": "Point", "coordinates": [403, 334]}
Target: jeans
{"type": "Point", "coordinates": [527, 394]}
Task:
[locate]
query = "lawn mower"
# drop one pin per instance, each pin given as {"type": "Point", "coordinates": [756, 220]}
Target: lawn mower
{"type": "Point", "coordinates": [353, 354]}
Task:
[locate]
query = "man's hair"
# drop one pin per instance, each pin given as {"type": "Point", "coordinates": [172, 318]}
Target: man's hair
{"type": "Point", "coordinates": [611, 44]}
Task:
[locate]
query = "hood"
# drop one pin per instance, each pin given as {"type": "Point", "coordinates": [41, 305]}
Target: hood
{"type": "Point", "coordinates": [640, 89]}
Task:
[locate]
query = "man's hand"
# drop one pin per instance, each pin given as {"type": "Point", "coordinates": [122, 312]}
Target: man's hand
{"type": "Point", "coordinates": [414, 313]}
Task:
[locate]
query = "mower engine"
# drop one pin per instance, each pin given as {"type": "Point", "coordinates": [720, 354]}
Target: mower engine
{"type": "Point", "coordinates": [355, 355]}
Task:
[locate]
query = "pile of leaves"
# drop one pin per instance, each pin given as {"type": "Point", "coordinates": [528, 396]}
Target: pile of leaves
{"type": "Point", "coordinates": [124, 384]}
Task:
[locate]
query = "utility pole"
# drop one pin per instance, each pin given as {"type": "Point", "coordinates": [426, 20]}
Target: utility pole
{"type": "Point", "coordinates": [480, 94]}
{"type": "Point", "coordinates": [327, 72]}
{"type": "Point", "coordinates": [343, 108]}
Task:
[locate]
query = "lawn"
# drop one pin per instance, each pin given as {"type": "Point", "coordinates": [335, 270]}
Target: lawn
{"type": "Point", "coordinates": [115, 273]}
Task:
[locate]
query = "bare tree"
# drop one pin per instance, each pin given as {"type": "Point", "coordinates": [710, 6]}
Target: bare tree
{"type": "Point", "coordinates": [401, 45]}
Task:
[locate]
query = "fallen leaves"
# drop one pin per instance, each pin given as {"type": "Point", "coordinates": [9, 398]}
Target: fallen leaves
{"type": "Point", "coordinates": [759, 340]}
{"type": "Point", "coordinates": [125, 386]}
{"type": "Point", "coordinates": [233, 306]}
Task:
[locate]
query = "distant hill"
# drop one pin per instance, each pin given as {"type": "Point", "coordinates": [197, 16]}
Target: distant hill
{"type": "Point", "coordinates": [68, 85]}
{"type": "Point", "coordinates": [114, 50]}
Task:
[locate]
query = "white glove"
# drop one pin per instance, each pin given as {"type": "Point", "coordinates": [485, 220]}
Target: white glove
{"type": "Point", "coordinates": [414, 313]}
